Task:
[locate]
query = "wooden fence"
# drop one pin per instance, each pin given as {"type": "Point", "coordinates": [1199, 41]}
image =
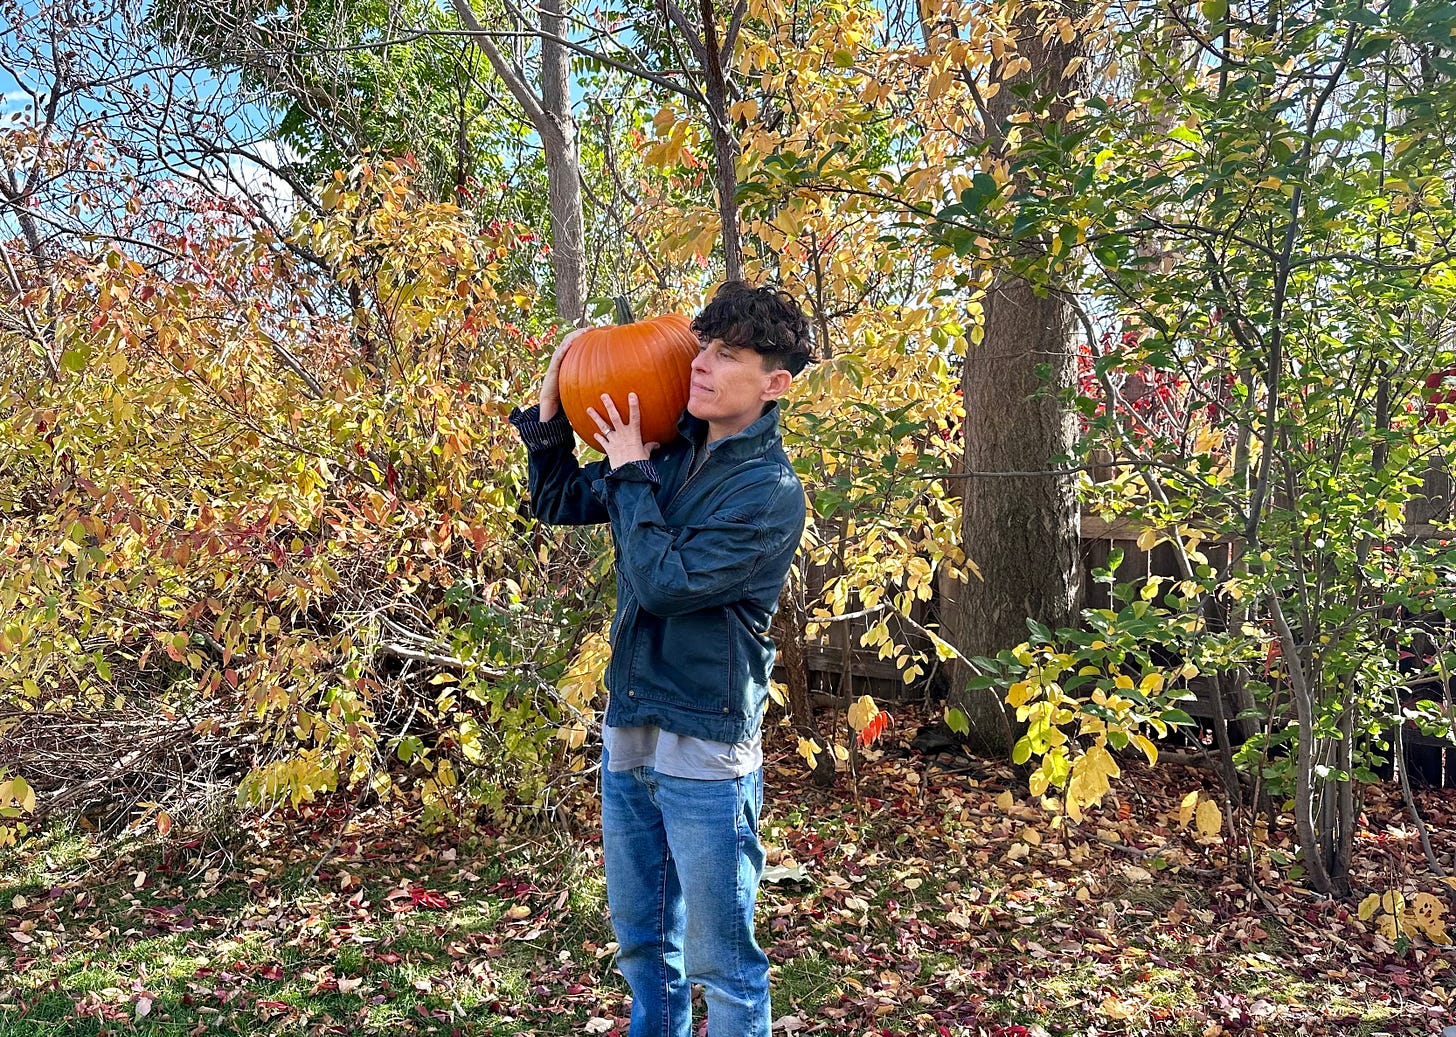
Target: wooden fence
{"type": "Point", "coordinates": [830, 665]}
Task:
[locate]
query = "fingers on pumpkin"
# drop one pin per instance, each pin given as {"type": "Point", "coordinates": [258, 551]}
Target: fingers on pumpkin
{"type": "Point", "coordinates": [616, 416]}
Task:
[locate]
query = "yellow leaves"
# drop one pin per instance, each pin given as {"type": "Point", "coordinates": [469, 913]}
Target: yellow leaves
{"type": "Point", "coordinates": [1208, 441]}
{"type": "Point", "coordinates": [468, 733]}
{"type": "Point", "coordinates": [1208, 818]}
{"type": "Point", "coordinates": [237, 492]}
{"type": "Point", "coordinates": [944, 650]}
{"type": "Point", "coordinates": [746, 110]}
{"type": "Point", "coordinates": [1200, 810]}
{"type": "Point", "coordinates": [788, 220]}
{"type": "Point", "coordinates": [1187, 807]}
{"type": "Point", "coordinates": [938, 84]}
{"type": "Point", "coordinates": [585, 676]}
{"type": "Point", "coordinates": [297, 779]}
{"type": "Point", "coordinates": [876, 93]}
{"type": "Point", "coordinates": [1090, 780]}
{"type": "Point", "coordinates": [676, 135]}
{"type": "Point", "coordinates": [1152, 682]}
{"type": "Point", "coordinates": [1426, 915]}
{"type": "Point", "coordinates": [16, 798]}
{"type": "Point", "coordinates": [861, 712]}
{"type": "Point", "coordinates": [1051, 773]}
{"type": "Point", "coordinates": [1395, 918]}
{"type": "Point", "coordinates": [1392, 903]}
{"type": "Point", "coordinates": [810, 749]}
{"type": "Point", "coordinates": [1113, 1008]}
{"type": "Point", "coordinates": [866, 719]}
{"type": "Point", "coordinates": [766, 10]}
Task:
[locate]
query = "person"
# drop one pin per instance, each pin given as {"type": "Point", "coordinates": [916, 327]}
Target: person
{"type": "Point", "coordinates": [705, 529]}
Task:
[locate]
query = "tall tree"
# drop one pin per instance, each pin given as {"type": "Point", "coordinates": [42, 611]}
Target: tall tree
{"type": "Point", "coordinates": [714, 55]}
{"type": "Point", "coordinates": [346, 79]}
{"type": "Point", "coordinates": [548, 108]}
{"type": "Point", "coordinates": [1270, 247]}
{"type": "Point", "coordinates": [1019, 518]}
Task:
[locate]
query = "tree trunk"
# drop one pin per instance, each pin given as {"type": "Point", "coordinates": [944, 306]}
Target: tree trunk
{"type": "Point", "coordinates": [725, 144]}
{"type": "Point", "coordinates": [1022, 532]}
{"type": "Point", "coordinates": [1306, 800]}
{"type": "Point", "coordinates": [14, 194]}
{"type": "Point", "coordinates": [788, 634]}
{"type": "Point", "coordinates": [550, 114]}
{"type": "Point", "coordinates": [563, 169]}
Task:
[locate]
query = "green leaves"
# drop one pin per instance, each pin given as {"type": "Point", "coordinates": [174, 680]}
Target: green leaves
{"type": "Point", "coordinates": [975, 199]}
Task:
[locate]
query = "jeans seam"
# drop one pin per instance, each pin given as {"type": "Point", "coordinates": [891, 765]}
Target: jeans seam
{"type": "Point", "coordinates": [661, 944]}
{"type": "Point", "coordinates": [738, 890]}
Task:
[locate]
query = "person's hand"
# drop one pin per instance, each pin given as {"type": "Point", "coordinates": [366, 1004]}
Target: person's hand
{"type": "Point", "coordinates": [550, 385]}
{"type": "Point", "coordinates": [621, 440]}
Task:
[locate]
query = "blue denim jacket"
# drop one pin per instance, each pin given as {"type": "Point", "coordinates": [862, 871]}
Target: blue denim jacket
{"type": "Point", "coordinates": [700, 558]}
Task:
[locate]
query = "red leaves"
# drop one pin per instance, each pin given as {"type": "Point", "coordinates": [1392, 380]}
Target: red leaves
{"type": "Point", "coordinates": [427, 898]}
{"type": "Point", "coordinates": [416, 897]}
{"type": "Point", "coordinates": [874, 729]}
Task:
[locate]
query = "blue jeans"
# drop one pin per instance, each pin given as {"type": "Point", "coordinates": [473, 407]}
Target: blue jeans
{"type": "Point", "coordinates": [683, 862]}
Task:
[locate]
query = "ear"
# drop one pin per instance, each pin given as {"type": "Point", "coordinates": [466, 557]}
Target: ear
{"type": "Point", "coordinates": [778, 383]}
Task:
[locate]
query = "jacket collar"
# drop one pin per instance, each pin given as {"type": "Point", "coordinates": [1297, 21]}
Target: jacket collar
{"type": "Point", "coordinates": [754, 441]}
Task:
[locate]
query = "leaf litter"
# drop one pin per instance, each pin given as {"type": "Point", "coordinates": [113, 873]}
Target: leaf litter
{"type": "Point", "coordinates": [945, 901]}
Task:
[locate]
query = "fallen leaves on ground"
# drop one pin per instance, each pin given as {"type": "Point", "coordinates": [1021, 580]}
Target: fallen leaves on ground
{"type": "Point", "coordinates": [942, 900]}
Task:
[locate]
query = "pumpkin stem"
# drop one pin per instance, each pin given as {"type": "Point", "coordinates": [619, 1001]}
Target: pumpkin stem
{"type": "Point", "coordinates": [624, 310]}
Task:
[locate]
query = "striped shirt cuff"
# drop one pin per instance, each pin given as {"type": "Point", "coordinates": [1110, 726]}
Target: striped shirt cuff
{"type": "Point", "coordinates": [646, 469]}
{"type": "Point", "coordinates": [538, 434]}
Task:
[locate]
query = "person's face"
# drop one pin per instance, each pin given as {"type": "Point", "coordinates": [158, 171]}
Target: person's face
{"type": "Point", "coordinates": [730, 387]}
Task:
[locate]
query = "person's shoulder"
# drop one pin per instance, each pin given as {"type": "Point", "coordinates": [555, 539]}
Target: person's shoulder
{"type": "Point", "coordinates": [770, 466]}
{"type": "Point", "coordinates": [759, 483]}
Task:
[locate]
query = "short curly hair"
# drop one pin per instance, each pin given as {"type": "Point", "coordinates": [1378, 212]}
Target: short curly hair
{"type": "Point", "coordinates": [765, 320]}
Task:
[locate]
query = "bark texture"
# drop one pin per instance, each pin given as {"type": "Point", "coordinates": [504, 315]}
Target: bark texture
{"type": "Point", "coordinates": [1021, 531]}
{"type": "Point", "coordinates": [550, 113]}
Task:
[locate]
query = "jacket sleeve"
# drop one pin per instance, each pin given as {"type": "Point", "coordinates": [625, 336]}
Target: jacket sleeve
{"type": "Point", "coordinates": [561, 488]}
{"type": "Point", "coordinates": [714, 560]}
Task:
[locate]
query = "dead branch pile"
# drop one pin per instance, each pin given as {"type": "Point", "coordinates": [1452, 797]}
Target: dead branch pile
{"type": "Point", "coordinates": [110, 767]}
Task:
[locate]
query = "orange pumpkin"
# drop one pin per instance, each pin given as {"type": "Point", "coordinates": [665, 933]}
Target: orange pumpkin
{"type": "Point", "coordinates": [650, 357]}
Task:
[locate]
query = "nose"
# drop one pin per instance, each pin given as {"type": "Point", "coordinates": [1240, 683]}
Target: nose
{"type": "Point", "coordinates": [700, 361]}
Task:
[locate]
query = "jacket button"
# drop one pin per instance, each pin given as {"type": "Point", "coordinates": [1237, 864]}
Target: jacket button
{"type": "Point", "coordinates": [631, 694]}
{"type": "Point", "coordinates": [725, 709]}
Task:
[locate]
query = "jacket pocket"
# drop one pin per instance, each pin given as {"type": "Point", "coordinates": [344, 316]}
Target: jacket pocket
{"type": "Point", "coordinates": [685, 661]}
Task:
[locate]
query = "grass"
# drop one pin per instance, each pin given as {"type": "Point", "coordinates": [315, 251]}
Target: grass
{"type": "Point", "coordinates": [928, 911]}
{"type": "Point", "coordinates": [268, 946]}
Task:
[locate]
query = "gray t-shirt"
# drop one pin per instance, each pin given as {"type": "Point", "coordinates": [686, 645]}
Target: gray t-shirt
{"type": "Point", "coordinates": [679, 756]}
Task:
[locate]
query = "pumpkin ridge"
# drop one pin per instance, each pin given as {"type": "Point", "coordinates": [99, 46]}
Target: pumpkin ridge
{"type": "Point", "coordinates": [650, 357]}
